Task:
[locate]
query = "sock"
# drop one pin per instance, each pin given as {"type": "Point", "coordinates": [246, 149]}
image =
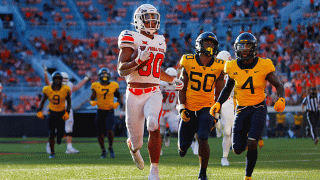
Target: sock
{"type": "Point", "coordinates": [203, 172]}
{"type": "Point", "coordinates": [226, 144]}
{"type": "Point", "coordinates": [69, 145]}
{"type": "Point", "coordinates": [154, 164]}
{"type": "Point", "coordinates": [252, 156]}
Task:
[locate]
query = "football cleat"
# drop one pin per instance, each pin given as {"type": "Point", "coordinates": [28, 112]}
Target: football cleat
{"type": "Point", "coordinates": [52, 155]}
{"type": "Point", "coordinates": [48, 148]}
{"type": "Point", "coordinates": [225, 162]}
{"type": "Point", "coordinates": [161, 152]}
{"type": "Point", "coordinates": [104, 154]}
{"type": "Point", "coordinates": [154, 173]}
{"type": "Point", "coordinates": [203, 178]}
{"type": "Point", "coordinates": [71, 150]}
{"type": "Point", "coordinates": [247, 178]}
{"type": "Point", "coordinates": [112, 155]}
{"type": "Point", "coordinates": [182, 153]}
{"type": "Point", "coordinates": [137, 158]}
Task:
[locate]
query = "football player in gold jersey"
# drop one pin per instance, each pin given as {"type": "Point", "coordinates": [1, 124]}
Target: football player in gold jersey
{"type": "Point", "coordinates": [105, 91]}
{"type": "Point", "coordinates": [248, 75]}
{"type": "Point", "coordinates": [202, 75]}
{"type": "Point", "coordinates": [58, 94]}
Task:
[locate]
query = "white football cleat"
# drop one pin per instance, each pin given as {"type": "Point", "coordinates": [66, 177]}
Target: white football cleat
{"type": "Point", "coordinates": [225, 162]}
{"type": "Point", "coordinates": [71, 150]}
{"type": "Point", "coordinates": [137, 158]}
{"type": "Point", "coordinates": [48, 148]}
{"type": "Point", "coordinates": [154, 173]}
{"type": "Point", "coordinates": [195, 147]}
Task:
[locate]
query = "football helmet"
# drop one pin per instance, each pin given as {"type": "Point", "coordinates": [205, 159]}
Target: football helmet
{"type": "Point", "coordinates": [224, 55]}
{"type": "Point", "coordinates": [104, 75]}
{"type": "Point", "coordinates": [208, 51]}
{"type": "Point", "coordinates": [246, 46]}
{"type": "Point", "coordinates": [143, 14]}
{"type": "Point", "coordinates": [57, 78]}
{"type": "Point", "coordinates": [172, 71]}
{"type": "Point", "coordinates": [65, 78]}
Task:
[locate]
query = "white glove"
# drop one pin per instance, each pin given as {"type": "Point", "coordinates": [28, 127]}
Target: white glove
{"type": "Point", "coordinates": [143, 55]}
{"type": "Point", "coordinates": [178, 84]}
{"type": "Point", "coordinates": [88, 75]}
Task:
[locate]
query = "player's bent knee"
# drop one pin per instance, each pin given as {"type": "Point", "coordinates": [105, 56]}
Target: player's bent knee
{"type": "Point", "coordinates": [152, 125]}
{"type": "Point", "coordinates": [136, 143]}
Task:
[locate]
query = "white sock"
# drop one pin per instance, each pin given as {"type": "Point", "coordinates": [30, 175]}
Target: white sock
{"type": "Point", "coordinates": [154, 164]}
{"type": "Point", "coordinates": [226, 144]}
{"type": "Point", "coordinates": [69, 145]}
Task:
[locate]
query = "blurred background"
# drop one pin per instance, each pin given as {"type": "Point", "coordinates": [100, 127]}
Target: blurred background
{"type": "Point", "coordinates": [80, 36]}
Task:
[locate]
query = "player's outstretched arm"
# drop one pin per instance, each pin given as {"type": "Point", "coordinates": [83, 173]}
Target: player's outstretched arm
{"type": "Point", "coordinates": [46, 78]}
{"type": "Point", "coordinates": [81, 83]}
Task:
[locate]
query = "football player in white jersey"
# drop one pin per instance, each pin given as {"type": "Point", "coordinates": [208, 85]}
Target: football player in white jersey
{"type": "Point", "coordinates": [68, 123]}
{"type": "Point", "coordinates": [227, 116]}
{"type": "Point", "coordinates": [169, 113]}
{"type": "Point", "coordinates": [143, 75]}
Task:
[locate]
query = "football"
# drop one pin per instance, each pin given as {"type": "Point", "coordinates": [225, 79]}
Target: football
{"type": "Point", "coordinates": [136, 52]}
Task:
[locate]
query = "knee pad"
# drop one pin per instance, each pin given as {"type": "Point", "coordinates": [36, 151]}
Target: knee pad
{"type": "Point", "coordinates": [184, 146]}
{"type": "Point", "coordinates": [238, 148]}
{"type": "Point", "coordinates": [152, 124]}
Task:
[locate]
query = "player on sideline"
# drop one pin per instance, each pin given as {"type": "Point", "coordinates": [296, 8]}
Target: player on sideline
{"type": "Point", "coordinates": [227, 116]}
{"type": "Point", "coordinates": [202, 75]}
{"type": "Point", "coordinates": [248, 75]}
{"type": "Point", "coordinates": [143, 75]}
{"type": "Point", "coordinates": [58, 94]}
{"type": "Point", "coordinates": [69, 123]}
{"type": "Point", "coordinates": [105, 91]}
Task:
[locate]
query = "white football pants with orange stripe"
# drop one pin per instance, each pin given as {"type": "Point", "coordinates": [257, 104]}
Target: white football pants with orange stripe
{"type": "Point", "coordinates": [139, 108]}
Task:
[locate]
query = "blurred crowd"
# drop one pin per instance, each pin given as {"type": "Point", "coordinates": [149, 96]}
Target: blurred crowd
{"type": "Point", "coordinates": [294, 50]}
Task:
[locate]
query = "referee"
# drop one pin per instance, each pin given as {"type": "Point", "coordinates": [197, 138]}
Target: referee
{"type": "Point", "coordinates": [312, 102]}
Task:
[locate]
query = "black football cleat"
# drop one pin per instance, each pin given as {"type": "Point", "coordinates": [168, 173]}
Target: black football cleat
{"type": "Point", "coordinates": [182, 153]}
{"type": "Point", "coordinates": [104, 154]}
{"type": "Point", "coordinates": [203, 178]}
{"type": "Point", "coordinates": [112, 155]}
{"type": "Point", "coordinates": [52, 155]}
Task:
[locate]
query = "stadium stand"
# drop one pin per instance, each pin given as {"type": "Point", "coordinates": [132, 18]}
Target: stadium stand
{"type": "Point", "coordinates": [83, 35]}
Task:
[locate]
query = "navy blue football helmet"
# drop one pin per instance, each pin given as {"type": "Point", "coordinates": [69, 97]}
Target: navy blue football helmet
{"type": "Point", "coordinates": [57, 78]}
{"type": "Point", "coordinates": [209, 51]}
{"type": "Point", "coordinates": [104, 75]}
{"type": "Point", "coordinates": [246, 46]}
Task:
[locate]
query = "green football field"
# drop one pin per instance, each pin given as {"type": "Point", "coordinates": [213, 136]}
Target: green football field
{"type": "Point", "coordinates": [278, 159]}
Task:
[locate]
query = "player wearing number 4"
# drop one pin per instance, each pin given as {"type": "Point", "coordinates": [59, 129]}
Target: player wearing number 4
{"type": "Point", "coordinates": [105, 91]}
{"type": "Point", "coordinates": [248, 75]}
{"type": "Point", "coordinates": [143, 75]}
{"type": "Point", "coordinates": [202, 75]}
{"type": "Point", "coordinates": [58, 94]}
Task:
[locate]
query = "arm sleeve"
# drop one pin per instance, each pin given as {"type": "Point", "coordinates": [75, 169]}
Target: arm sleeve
{"type": "Point", "coordinates": [225, 93]}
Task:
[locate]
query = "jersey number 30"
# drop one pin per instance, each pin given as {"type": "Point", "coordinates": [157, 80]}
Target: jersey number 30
{"type": "Point", "coordinates": [146, 69]}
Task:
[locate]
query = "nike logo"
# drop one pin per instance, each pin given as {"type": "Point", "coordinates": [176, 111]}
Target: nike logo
{"type": "Point", "coordinates": [256, 71]}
